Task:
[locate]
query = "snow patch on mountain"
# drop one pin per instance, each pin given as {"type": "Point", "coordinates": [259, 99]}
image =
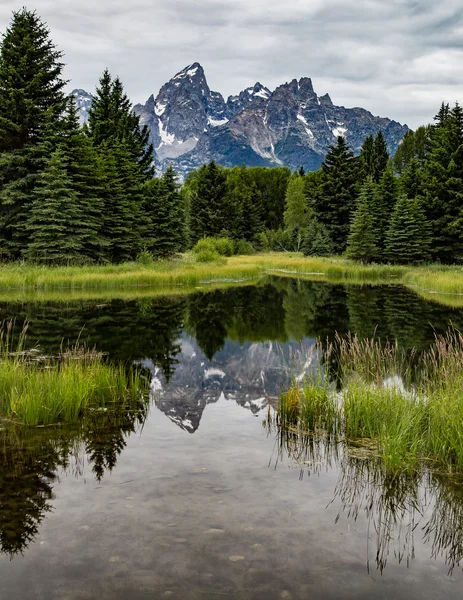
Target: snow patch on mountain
{"type": "Point", "coordinates": [340, 131]}
{"type": "Point", "coordinates": [216, 122]}
{"type": "Point", "coordinates": [160, 109]}
{"type": "Point", "coordinates": [166, 138]}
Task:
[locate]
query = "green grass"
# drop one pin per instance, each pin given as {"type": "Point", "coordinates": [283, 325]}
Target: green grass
{"type": "Point", "coordinates": [412, 426]}
{"type": "Point", "coordinates": [38, 390]}
{"type": "Point", "coordinates": [438, 283]}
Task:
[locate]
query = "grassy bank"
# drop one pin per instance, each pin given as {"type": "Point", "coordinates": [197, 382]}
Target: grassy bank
{"type": "Point", "coordinates": [437, 283]}
{"type": "Point", "coordinates": [409, 410]}
{"type": "Point", "coordinates": [45, 390]}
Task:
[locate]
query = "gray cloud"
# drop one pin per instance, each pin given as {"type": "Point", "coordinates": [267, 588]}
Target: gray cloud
{"type": "Point", "coordinates": [397, 58]}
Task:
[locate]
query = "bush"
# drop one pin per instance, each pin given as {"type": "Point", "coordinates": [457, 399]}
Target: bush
{"type": "Point", "coordinates": [205, 244]}
{"type": "Point", "coordinates": [223, 246]}
{"type": "Point", "coordinates": [279, 240]}
{"type": "Point", "coordinates": [244, 247]}
{"type": "Point", "coordinates": [261, 242]}
{"type": "Point", "coordinates": [209, 255]}
{"type": "Point", "coordinates": [145, 258]}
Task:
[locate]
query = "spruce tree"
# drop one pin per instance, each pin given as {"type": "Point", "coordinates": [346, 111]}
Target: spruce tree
{"type": "Point", "coordinates": [408, 236]}
{"type": "Point", "coordinates": [163, 206]}
{"type": "Point", "coordinates": [316, 240]}
{"type": "Point", "coordinates": [384, 203]}
{"type": "Point", "coordinates": [55, 225]}
{"type": "Point", "coordinates": [363, 239]}
{"type": "Point", "coordinates": [381, 157]}
{"type": "Point", "coordinates": [411, 181]}
{"type": "Point", "coordinates": [31, 105]}
{"type": "Point", "coordinates": [271, 185]}
{"type": "Point", "coordinates": [82, 167]}
{"type": "Point", "coordinates": [367, 156]}
{"type": "Point", "coordinates": [238, 194]}
{"type": "Point", "coordinates": [337, 201]}
{"type": "Point", "coordinates": [443, 185]}
{"type": "Point", "coordinates": [122, 193]}
{"type": "Point", "coordinates": [208, 202]}
{"type": "Point", "coordinates": [112, 121]}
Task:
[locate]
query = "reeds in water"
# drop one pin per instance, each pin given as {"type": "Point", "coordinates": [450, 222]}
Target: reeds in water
{"type": "Point", "coordinates": [45, 390]}
{"type": "Point", "coordinates": [410, 405]}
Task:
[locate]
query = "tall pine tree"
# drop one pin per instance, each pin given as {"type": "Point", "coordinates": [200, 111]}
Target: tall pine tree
{"type": "Point", "coordinates": [408, 236]}
{"type": "Point", "coordinates": [111, 120]}
{"type": "Point", "coordinates": [31, 107]}
{"type": "Point", "coordinates": [56, 225]}
{"type": "Point", "coordinates": [208, 202]}
{"type": "Point", "coordinates": [164, 208]}
{"type": "Point", "coordinates": [337, 202]}
{"type": "Point", "coordinates": [443, 185]}
{"type": "Point", "coordinates": [363, 239]}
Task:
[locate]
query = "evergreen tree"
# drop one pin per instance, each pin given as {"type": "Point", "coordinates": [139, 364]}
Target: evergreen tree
{"type": "Point", "coordinates": [271, 185]}
{"type": "Point", "coordinates": [374, 156]}
{"type": "Point", "coordinates": [443, 185]}
{"type": "Point", "coordinates": [122, 192]}
{"type": "Point", "coordinates": [243, 206]}
{"type": "Point", "coordinates": [111, 120]}
{"type": "Point", "coordinates": [383, 206]}
{"type": "Point", "coordinates": [208, 202]}
{"type": "Point", "coordinates": [316, 241]}
{"type": "Point", "coordinates": [363, 238]}
{"type": "Point", "coordinates": [411, 181]}
{"type": "Point", "coordinates": [163, 205]}
{"type": "Point", "coordinates": [296, 209]}
{"type": "Point", "coordinates": [408, 236]}
{"type": "Point", "coordinates": [367, 156]}
{"type": "Point", "coordinates": [31, 105]}
{"type": "Point", "coordinates": [414, 146]}
{"type": "Point", "coordinates": [56, 224]}
{"type": "Point", "coordinates": [381, 157]}
{"type": "Point", "coordinates": [82, 167]}
{"type": "Point", "coordinates": [337, 202]}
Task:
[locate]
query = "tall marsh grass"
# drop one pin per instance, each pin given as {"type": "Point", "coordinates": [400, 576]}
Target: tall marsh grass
{"type": "Point", "coordinates": [38, 390]}
{"type": "Point", "coordinates": [410, 406]}
{"type": "Point", "coordinates": [439, 283]}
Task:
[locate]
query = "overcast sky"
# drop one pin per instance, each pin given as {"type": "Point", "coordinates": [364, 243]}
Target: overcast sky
{"type": "Point", "coordinates": [397, 58]}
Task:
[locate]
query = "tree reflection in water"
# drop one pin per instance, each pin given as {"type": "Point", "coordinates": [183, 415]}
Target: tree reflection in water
{"type": "Point", "coordinates": [398, 507]}
{"type": "Point", "coordinates": [31, 458]}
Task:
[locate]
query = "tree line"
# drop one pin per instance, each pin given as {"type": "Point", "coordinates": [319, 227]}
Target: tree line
{"type": "Point", "coordinates": [72, 194]}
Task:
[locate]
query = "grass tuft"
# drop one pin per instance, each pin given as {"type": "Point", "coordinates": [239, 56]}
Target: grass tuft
{"type": "Point", "coordinates": [409, 407]}
{"type": "Point", "coordinates": [38, 390]}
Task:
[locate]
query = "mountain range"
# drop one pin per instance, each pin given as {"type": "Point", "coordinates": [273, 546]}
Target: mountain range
{"type": "Point", "coordinates": [190, 124]}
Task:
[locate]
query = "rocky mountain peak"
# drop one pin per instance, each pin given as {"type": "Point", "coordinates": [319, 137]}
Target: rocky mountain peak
{"type": "Point", "coordinates": [84, 102]}
{"type": "Point", "coordinates": [252, 97]}
{"type": "Point", "coordinates": [190, 124]}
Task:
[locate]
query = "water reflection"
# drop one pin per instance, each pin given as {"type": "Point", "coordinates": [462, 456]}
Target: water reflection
{"type": "Point", "coordinates": [397, 507]}
{"type": "Point", "coordinates": [32, 458]}
{"type": "Point", "coordinates": [243, 345]}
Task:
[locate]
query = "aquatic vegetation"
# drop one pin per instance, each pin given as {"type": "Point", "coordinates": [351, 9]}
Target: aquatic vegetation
{"type": "Point", "coordinates": [407, 405]}
{"type": "Point", "coordinates": [44, 390]}
{"type": "Point", "coordinates": [398, 505]}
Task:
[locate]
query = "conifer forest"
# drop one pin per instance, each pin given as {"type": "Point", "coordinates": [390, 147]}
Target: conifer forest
{"type": "Point", "coordinates": [72, 194]}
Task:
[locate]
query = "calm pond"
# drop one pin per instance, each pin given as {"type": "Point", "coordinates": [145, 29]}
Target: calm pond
{"type": "Point", "coordinates": [197, 495]}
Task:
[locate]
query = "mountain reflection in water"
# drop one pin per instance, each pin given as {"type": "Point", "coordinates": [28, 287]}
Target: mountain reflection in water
{"type": "Point", "coordinates": [236, 348]}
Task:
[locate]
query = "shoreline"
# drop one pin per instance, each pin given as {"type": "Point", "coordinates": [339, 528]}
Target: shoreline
{"type": "Point", "coordinates": [438, 283]}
